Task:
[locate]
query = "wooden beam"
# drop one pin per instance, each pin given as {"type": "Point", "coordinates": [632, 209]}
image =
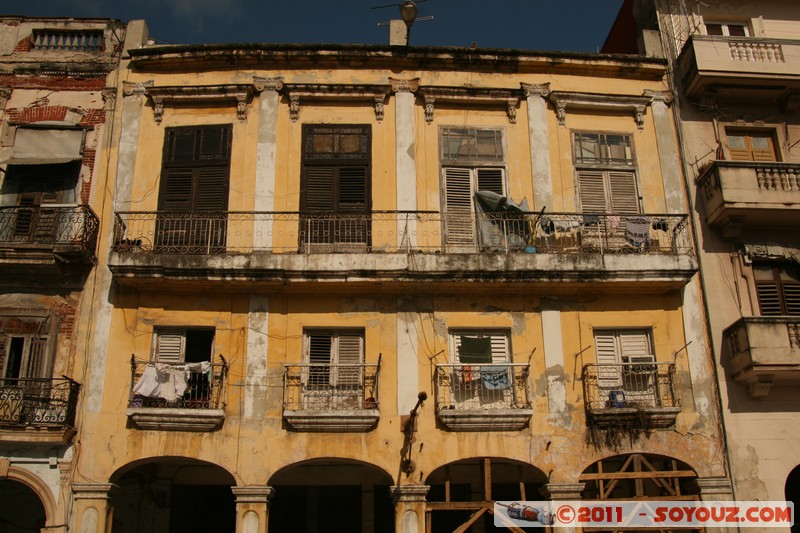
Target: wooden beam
{"type": "Point", "coordinates": [487, 479]}
{"type": "Point", "coordinates": [472, 519]}
{"type": "Point", "coordinates": [637, 475]}
{"type": "Point", "coordinates": [458, 506]}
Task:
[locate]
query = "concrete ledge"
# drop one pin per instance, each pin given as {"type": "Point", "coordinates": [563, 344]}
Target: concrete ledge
{"type": "Point", "coordinates": [332, 421]}
{"type": "Point", "coordinates": [485, 420]}
{"type": "Point", "coordinates": [646, 417]}
{"type": "Point", "coordinates": [168, 419]}
{"type": "Point", "coordinates": [37, 435]}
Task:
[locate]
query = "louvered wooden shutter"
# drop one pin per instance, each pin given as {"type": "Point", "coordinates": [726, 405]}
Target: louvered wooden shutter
{"type": "Point", "coordinates": [791, 295]}
{"type": "Point", "coordinates": [169, 348]}
{"type": "Point", "coordinates": [211, 189]}
{"type": "Point", "coordinates": [490, 179]}
{"type": "Point", "coordinates": [348, 352]}
{"type": "Point", "coordinates": [2, 351]}
{"type": "Point", "coordinates": [634, 346]}
{"type": "Point", "coordinates": [762, 147]}
{"type": "Point", "coordinates": [177, 190]}
{"type": "Point", "coordinates": [36, 366]}
{"type": "Point", "coordinates": [319, 356]}
{"type": "Point", "coordinates": [622, 188]}
{"type": "Point", "coordinates": [458, 205]}
{"type": "Point", "coordinates": [352, 188]}
{"type": "Point", "coordinates": [592, 190]}
{"type": "Point", "coordinates": [605, 347]}
{"type": "Point", "coordinates": [318, 190]}
{"type": "Point", "coordinates": [769, 299]}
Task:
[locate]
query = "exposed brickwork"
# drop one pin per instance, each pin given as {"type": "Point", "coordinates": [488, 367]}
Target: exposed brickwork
{"type": "Point", "coordinates": [42, 113]}
{"type": "Point", "coordinates": [67, 314]}
{"type": "Point", "coordinates": [25, 45]}
{"type": "Point", "coordinates": [15, 81]}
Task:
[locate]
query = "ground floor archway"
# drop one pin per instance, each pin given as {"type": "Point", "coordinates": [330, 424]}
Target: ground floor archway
{"type": "Point", "coordinates": [331, 494]}
{"type": "Point", "coordinates": [463, 492]}
{"type": "Point", "coordinates": [792, 494]}
{"type": "Point", "coordinates": [21, 509]}
{"type": "Point", "coordinates": [175, 495]}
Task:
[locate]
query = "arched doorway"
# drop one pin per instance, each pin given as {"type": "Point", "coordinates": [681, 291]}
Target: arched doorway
{"type": "Point", "coordinates": [174, 494]}
{"type": "Point", "coordinates": [324, 495]}
{"type": "Point", "coordinates": [462, 493]}
{"type": "Point", "coordinates": [792, 492]}
{"type": "Point", "coordinates": [21, 510]}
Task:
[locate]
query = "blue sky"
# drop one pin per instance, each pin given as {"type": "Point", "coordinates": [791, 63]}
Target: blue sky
{"type": "Point", "coordinates": [567, 25]}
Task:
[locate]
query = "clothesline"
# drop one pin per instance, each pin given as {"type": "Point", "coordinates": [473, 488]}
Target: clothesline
{"type": "Point", "coordinates": [168, 381]}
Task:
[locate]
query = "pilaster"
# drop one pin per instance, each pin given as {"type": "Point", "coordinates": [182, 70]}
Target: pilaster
{"type": "Point", "coordinates": [409, 507]}
{"type": "Point", "coordinates": [93, 506]}
{"type": "Point", "coordinates": [540, 145]}
{"type": "Point", "coordinates": [252, 508]}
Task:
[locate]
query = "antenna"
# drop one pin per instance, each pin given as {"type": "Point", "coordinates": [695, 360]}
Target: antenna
{"type": "Point", "coordinates": [400, 30]}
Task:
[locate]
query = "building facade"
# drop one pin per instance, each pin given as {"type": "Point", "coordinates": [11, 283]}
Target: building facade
{"type": "Point", "coordinates": [736, 72]}
{"type": "Point", "coordinates": [57, 88]}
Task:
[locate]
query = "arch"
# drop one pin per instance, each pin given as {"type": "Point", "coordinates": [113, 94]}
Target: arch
{"type": "Point", "coordinates": [226, 478]}
{"type": "Point", "coordinates": [639, 475]}
{"type": "Point", "coordinates": [291, 470]}
{"type": "Point", "coordinates": [40, 489]}
{"type": "Point", "coordinates": [792, 493]}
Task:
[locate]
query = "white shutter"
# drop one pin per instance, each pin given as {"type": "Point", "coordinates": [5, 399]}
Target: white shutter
{"type": "Point", "coordinates": [458, 205]}
{"type": "Point", "coordinates": [605, 346]}
{"type": "Point", "coordinates": [320, 348]}
{"type": "Point", "coordinates": [634, 344]}
{"type": "Point", "coordinates": [169, 347]}
{"type": "Point", "coordinates": [348, 352]}
{"type": "Point", "coordinates": [499, 348]}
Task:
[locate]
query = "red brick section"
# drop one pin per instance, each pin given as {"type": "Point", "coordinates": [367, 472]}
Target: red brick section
{"type": "Point", "coordinates": [25, 45]}
{"type": "Point", "coordinates": [67, 313]}
{"type": "Point", "coordinates": [62, 83]}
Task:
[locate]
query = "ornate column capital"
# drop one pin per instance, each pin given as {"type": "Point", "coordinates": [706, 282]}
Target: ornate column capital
{"type": "Point", "coordinates": [137, 88]}
{"type": "Point", "coordinates": [541, 89]}
{"type": "Point", "coordinates": [563, 491]}
{"type": "Point", "coordinates": [429, 107]}
{"type": "Point", "coordinates": [253, 493]}
{"type": "Point", "coordinates": [409, 493]}
{"type": "Point", "coordinates": [94, 491]}
{"type": "Point", "coordinates": [660, 96]}
{"type": "Point", "coordinates": [262, 84]}
{"type": "Point", "coordinates": [404, 86]}
{"type": "Point", "coordinates": [715, 487]}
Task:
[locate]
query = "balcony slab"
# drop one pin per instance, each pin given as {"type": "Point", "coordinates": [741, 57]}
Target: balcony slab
{"type": "Point", "coordinates": [485, 420]}
{"type": "Point", "coordinates": [332, 421]}
{"type": "Point", "coordinates": [171, 419]}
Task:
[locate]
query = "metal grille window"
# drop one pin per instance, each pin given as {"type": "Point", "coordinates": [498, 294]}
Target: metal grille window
{"type": "Point", "coordinates": [335, 357]}
{"type": "Point", "coordinates": [778, 289]}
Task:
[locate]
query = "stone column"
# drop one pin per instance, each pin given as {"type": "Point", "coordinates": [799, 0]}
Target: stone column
{"type": "Point", "coordinates": [716, 488]}
{"type": "Point", "coordinates": [266, 156]}
{"type": "Point", "coordinates": [540, 144]}
{"type": "Point", "coordinates": [93, 506]}
{"type": "Point", "coordinates": [409, 508]}
{"type": "Point", "coordinates": [563, 492]}
{"type": "Point", "coordinates": [554, 361]}
{"type": "Point", "coordinates": [252, 508]}
{"type": "Point", "coordinates": [406, 164]}
{"type": "Point", "coordinates": [667, 143]}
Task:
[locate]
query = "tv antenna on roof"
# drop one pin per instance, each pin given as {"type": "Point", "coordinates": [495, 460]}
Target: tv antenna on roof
{"type": "Point", "coordinates": [400, 30]}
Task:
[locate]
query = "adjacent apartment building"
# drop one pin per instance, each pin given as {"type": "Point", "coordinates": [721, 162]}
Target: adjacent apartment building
{"type": "Point", "coordinates": [57, 88]}
{"type": "Point", "coordinates": [379, 288]}
{"type": "Point", "coordinates": [736, 70]}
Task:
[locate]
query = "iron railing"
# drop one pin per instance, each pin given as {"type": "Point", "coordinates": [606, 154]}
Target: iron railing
{"type": "Point", "coordinates": [399, 232]}
{"type": "Point", "coordinates": [38, 402]}
{"type": "Point", "coordinates": [75, 225]}
{"type": "Point", "coordinates": [629, 385]}
{"type": "Point", "coordinates": [325, 387]}
{"type": "Point", "coordinates": [482, 386]}
{"type": "Point", "coordinates": [199, 385]}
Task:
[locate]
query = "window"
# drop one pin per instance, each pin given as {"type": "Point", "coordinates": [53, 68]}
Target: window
{"type": "Point", "coordinates": [183, 345]}
{"type": "Point", "coordinates": [778, 289]}
{"type": "Point", "coordinates": [194, 189]}
{"type": "Point", "coordinates": [479, 346]}
{"type": "Point", "coordinates": [472, 161]}
{"type": "Point", "coordinates": [25, 347]}
{"type": "Point", "coordinates": [622, 360]}
{"type": "Point", "coordinates": [335, 357]}
{"type": "Point", "coordinates": [751, 145]}
{"type": "Point", "coordinates": [606, 173]}
{"type": "Point", "coordinates": [729, 29]}
{"type": "Point", "coordinates": [335, 195]}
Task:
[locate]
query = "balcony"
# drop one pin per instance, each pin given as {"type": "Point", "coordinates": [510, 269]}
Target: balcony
{"type": "Point", "coordinates": [38, 411]}
{"type": "Point", "coordinates": [743, 67]}
{"type": "Point", "coordinates": [639, 395]}
{"type": "Point", "coordinates": [341, 398]}
{"type": "Point", "coordinates": [762, 351]}
{"type": "Point", "coordinates": [483, 397]}
{"type": "Point", "coordinates": [47, 245]}
{"type": "Point", "coordinates": [741, 194]}
{"type": "Point", "coordinates": [177, 396]}
{"type": "Point", "coordinates": [152, 248]}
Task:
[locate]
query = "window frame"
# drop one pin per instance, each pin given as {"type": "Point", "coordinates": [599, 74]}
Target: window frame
{"type": "Point", "coordinates": [725, 28]}
{"type": "Point", "coordinates": [494, 334]}
{"type": "Point", "coordinates": [788, 307]}
{"type": "Point", "coordinates": [612, 174]}
{"type": "Point", "coordinates": [748, 134]}
{"type": "Point", "coordinates": [182, 331]}
{"type": "Point", "coordinates": [47, 333]}
{"type": "Point", "coordinates": [321, 376]}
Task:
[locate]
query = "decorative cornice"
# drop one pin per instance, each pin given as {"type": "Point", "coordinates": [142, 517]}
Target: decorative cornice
{"type": "Point", "coordinates": [508, 98]}
{"type": "Point", "coordinates": [253, 493]}
{"type": "Point", "coordinates": [404, 86]}
{"type": "Point", "coordinates": [529, 89]}
{"type": "Point", "coordinates": [297, 92]}
{"type": "Point", "coordinates": [138, 88]}
{"type": "Point", "coordinates": [94, 491]}
{"type": "Point", "coordinates": [240, 94]}
{"type": "Point", "coordinates": [262, 84]}
{"type": "Point", "coordinates": [409, 493]}
{"type": "Point", "coordinates": [606, 102]}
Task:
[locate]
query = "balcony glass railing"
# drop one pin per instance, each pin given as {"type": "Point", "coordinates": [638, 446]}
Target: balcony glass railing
{"type": "Point", "coordinates": [399, 232]}
{"type": "Point", "coordinates": [38, 402]}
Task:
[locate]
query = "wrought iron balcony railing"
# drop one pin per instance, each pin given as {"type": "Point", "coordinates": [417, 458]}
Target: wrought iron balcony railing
{"type": "Point", "coordinates": [482, 387]}
{"type": "Point", "coordinates": [177, 385]}
{"type": "Point", "coordinates": [48, 225]}
{"type": "Point", "coordinates": [38, 402]}
{"type": "Point", "coordinates": [648, 385]}
{"type": "Point", "coordinates": [399, 232]}
{"type": "Point", "coordinates": [333, 387]}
